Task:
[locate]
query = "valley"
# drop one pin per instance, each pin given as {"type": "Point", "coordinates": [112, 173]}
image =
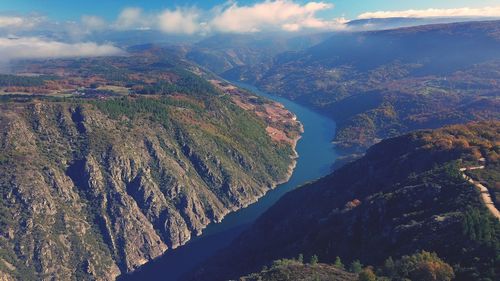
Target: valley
{"type": "Point", "coordinates": [316, 154]}
{"type": "Point", "coordinates": [257, 141]}
{"type": "Point", "coordinates": [380, 84]}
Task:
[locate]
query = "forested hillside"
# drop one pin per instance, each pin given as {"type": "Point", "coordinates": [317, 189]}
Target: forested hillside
{"type": "Point", "coordinates": [107, 163]}
{"type": "Point", "coordinates": [407, 194]}
{"type": "Point", "coordinates": [380, 84]}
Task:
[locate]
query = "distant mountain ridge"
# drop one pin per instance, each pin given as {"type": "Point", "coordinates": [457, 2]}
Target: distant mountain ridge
{"type": "Point", "coordinates": [399, 22]}
{"type": "Point", "coordinates": [378, 84]}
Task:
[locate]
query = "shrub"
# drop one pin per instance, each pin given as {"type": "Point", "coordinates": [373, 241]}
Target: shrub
{"type": "Point", "coordinates": [367, 275]}
{"type": "Point", "coordinates": [356, 266]}
{"type": "Point", "coordinates": [338, 263]}
{"type": "Point", "coordinates": [314, 260]}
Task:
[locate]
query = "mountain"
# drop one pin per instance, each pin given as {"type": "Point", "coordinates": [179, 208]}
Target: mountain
{"type": "Point", "coordinates": [398, 22]}
{"type": "Point", "coordinates": [106, 163]}
{"type": "Point", "coordinates": [407, 194]}
{"type": "Point", "coordinates": [380, 84]}
{"type": "Point", "coordinates": [230, 52]}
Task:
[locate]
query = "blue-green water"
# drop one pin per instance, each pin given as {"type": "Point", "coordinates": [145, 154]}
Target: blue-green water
{"type": "Point", "coordinates": [316, 156]}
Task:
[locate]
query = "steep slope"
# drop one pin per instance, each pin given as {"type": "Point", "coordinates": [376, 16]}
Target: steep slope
{"type": "Point", "coordinates": [407, 194]}
{"type": "Point", "coordinates": [383, 83]}
{"type": "Point", "coordinates": [94, 187]}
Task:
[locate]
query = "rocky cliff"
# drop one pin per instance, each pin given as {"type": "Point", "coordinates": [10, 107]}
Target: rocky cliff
{"type": "Point", "coordinates": [91, 189]}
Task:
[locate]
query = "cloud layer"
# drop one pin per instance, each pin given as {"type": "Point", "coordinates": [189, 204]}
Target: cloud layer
{"type": "Point", "coordinates": [18, 22]}
{"type": "Point", "coordinates": [283, 14]}
{"type": "Point", "coordinates": [231, 17]}
{"type": "Point", "coordinates": [180, 21]}
{"type": "Point", "coordinates": [36, 48]}
{"type": "Point", "coordinates": [131, 18]}
{"type": "Point", "coordinates": [427, 13]}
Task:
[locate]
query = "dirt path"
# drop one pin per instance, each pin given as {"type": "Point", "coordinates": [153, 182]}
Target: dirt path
{"type": "Point", "coordinates": [485, 194]}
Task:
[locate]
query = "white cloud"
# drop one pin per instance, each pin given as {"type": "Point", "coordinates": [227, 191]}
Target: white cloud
{"type": "Point", "coordinates": [271, 15]}
{"type": "Point", "coordinates": [35, 48]}
{"type": "Point", "coordinates": [266, 15]}
{"type": "Point", "coordinates": [459, 12]}
{"type": "Point", "coordinates": [18, 22]}
{"type": "Point", "coordinates": [91, 23]}
{"type": "Point", "coordinates": [179, 21]}
{"type": "Point", "coordinates": [132, 18]}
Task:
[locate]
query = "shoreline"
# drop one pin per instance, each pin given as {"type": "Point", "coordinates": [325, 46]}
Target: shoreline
{"type": "Point", "coordinates": [273, 185]}
{"type": "Point", "coordinates": [286, 178]}
{"type": "Point", "coordinates": [310, 140]}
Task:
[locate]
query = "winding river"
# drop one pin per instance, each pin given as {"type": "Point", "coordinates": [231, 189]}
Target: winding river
{"type": "Point", "coordinates": [316, 156]}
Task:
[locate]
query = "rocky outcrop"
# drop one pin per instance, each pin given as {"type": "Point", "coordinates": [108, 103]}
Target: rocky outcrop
{"type": "Point", "coordinates": [87, 195]}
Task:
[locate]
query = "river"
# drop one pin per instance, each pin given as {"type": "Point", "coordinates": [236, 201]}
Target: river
{"type": "Point", "coordinates": [316, 156]}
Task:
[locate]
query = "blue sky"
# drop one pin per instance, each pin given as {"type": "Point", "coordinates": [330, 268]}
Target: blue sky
{"type": "Point", "coordinates": [109, 9]}
{"type": "Point", "coordinates": [66, 28]}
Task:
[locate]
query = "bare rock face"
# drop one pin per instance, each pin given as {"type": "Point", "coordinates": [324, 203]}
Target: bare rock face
{"type": "Point", "coordinates": [84, 195]}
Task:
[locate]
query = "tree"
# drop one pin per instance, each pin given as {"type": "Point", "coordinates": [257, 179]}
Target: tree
{"type": "Point", "coordinates": [389, 267]}
{"type": "Point", "coordinates": [300, 258]}
{"type": "Point", "coordinates": [433, 271]}
{"type": "Point", "coordinates": [338, 263]}
{"type": "Point", "coordinates": [314, 260]}
{"type": "Point", "coordinates": [424, 266]}
{"type": "Point", "coordinates": [356, 266]}
{"type": "Point", "coordinates": [367, 275]}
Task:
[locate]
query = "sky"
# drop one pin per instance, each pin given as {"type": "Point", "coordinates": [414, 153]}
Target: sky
{"type": "Point", "coordinates": [109, 9]}
{"type": "Point", "coordinates": [65, 28]}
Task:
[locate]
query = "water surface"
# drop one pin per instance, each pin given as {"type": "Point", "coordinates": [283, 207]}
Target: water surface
{"type": "Point", "coordinates": [316, 156]}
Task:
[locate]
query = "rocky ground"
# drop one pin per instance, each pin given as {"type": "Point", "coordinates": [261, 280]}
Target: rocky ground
{"type": "Point", "coordinates": [94, 189]}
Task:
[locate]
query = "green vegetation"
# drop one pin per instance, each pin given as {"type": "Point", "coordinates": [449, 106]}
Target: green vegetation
{"type": "Point", "coordinates": [7, 80]}
{"type": "Point", "coordinates": [404, 196]}
{"type": "Point", "coordinates": [291, 269]}
{"type": "Point", "coordinates": [314, 260]}
{"type": "Point", "coordinates": [300, 258]}
{"type": "Point", "coordinates": [382, 84]}
{"type": "Point", "coordinates": [116, 108]}
{"type": "Point", "coordinates": [338, 263]}
{"type": "Point", "coordinates": [480, 226]}
{"type": "Point", "coordinates": [120, 179]}
{"type": "Point", "coordinates": [187, 83]}
{"type": "Point", "coordinates": [421, 266]}
{"type": "Point", "coordinates": [356, 266]}
{"type": "Point", "coordinates": [367, 275]}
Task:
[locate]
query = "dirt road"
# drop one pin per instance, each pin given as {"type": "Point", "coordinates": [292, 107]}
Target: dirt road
{"type": "Point", "coordinates": [485, 194]}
